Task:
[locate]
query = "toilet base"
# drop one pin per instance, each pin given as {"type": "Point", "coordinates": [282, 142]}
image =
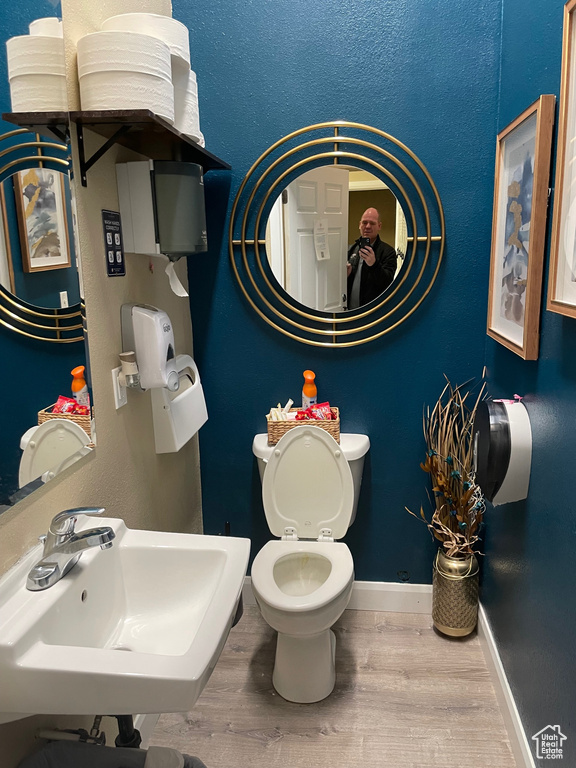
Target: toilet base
{"type": "Point", "coordinates": [304, 669]}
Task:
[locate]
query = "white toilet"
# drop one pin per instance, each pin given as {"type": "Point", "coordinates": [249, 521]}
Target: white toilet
{"type": "Point", "coordinates": [50, 448]}
{"type": "Point", "coordinates": [303, 580]}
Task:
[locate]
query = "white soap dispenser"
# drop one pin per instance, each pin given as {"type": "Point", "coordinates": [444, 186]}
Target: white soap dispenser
{"type": "Point", "coordinates": [147, 331]}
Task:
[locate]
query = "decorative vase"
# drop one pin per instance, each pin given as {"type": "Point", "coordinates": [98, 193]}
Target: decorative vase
{"type": "Point", "coordinates": [455, 594]}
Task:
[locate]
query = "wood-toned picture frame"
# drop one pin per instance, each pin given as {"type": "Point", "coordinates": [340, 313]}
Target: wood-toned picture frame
{"type": "Point", "coordinates": [523, 151]}
{"type": "Point", "coordinates": [6, 267]}
{"type": "Point", "coordinates": [562, 278]}
{"type": "Point", "coordinates": [42, 222]}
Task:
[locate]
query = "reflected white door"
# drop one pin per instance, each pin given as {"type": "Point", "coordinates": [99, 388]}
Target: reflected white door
{"type": "Point", "coordinates": [321, 194]}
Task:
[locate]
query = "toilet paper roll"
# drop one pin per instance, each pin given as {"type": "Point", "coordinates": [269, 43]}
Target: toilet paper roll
{"type": "Point", "coordinates": [127, 90]}
{"type": "Point", "coordinates": [186, 110]}
{"type": "Point", "coordinates": [123, 52]}
{"type": "Point", "coordinates": [35, 55]}
{"type": "Point", "coordinates": [172, 32]}
{"type": "Point", "coordinates": [50, 26]}
{"type": "Point", "coordinates": [38, 93]}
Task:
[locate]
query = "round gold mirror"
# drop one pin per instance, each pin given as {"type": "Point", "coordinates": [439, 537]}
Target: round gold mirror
{"type": "Point", "coordinates": [295, 252]}
{"type": "Point", "coordinates": [37, 262]}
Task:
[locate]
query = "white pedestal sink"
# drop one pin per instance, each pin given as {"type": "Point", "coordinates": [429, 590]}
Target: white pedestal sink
{"type": "Point", "coordinates": [136, 628]}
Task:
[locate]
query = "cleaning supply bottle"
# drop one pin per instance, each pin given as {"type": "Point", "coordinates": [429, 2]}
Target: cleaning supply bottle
{"type": "Point", "coordinates": [309, 391]}
{"type": "Point", "coordinates": [79, 386]}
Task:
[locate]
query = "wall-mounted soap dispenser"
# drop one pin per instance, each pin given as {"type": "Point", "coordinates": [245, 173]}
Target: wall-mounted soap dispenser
{"type": "Point", "coordinates": [178, 404]}
{"type": "Point", "coordinates": [147, 331]}
{"type": "Point", "coordinates": [502, 450]}
{"type": "Point", "coordinates": [162, 208]}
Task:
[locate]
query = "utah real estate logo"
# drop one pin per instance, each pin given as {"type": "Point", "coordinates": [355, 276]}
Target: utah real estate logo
{"type": "Point", "coordinates": [549, 743]}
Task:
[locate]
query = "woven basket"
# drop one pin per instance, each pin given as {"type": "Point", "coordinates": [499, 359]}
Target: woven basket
{"type": "Point", "coordinates": [277, 429]}
{"type": "Point", "coordinates": [82, 421]}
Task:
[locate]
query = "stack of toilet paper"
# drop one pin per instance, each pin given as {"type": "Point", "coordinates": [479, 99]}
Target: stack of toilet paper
{"type": "Point", "coordinates": [37, 68]}
{"type": "Point", "coordinates": [141, 61]}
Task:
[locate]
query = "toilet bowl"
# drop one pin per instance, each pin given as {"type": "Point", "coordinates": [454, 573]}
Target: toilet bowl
{"type": "Point", "coordinates": [303, 581]}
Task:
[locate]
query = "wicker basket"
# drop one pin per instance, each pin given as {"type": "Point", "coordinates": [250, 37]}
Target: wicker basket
{"type": "Point", "coordinates": [82, 421]}
{"type": "Point", "coordinates": [277, 429]}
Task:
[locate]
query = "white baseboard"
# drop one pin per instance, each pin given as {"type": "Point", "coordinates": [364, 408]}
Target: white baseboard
{"type": "Point", "coordinates": [417, 598]}
{"type": "Point", "coordinates": [375, 596]}
{"type": "Point", "coordinates": [518, 741]}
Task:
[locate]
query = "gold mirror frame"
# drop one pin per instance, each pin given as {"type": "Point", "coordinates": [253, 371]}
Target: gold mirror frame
{"type": "Point", "coordinates": [62, 326]}
{"type": "Point", "coordinates": [366, 148]}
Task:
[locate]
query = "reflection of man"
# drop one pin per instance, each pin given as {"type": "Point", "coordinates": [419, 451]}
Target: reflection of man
{"type": "Point", "coordinates": [370, 269]}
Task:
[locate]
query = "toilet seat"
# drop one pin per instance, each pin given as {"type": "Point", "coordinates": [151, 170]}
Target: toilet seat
{"type": "Point", "coordinates": [341, 574]}
{"type": "Point", "coordinates": [49, 446]}
{"type": "Point", "coordinates": [307, 489]}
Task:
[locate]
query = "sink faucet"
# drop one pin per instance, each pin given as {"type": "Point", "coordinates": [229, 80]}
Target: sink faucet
{"type": "Point", "coordinates": [63, 547]}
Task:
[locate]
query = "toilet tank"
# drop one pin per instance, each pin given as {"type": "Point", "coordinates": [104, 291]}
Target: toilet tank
{"type": "Point", "coordinates": [354, 447]}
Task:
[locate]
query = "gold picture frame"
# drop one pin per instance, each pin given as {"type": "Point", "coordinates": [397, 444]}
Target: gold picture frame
{"type": "Point", "coordinates": [523, 151]}
{"type": "Point", "coordinates": [42, 221]}
{"type": "Point", "coordinates": [562, 278]}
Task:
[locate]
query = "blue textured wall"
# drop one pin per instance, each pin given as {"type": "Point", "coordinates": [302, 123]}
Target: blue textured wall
{"type": "Point", "coordinates": [428, 74]}
{"type": "Point", "coordinates": [529, 575]}
{"type": "Point", "coordinates": [33, 373]}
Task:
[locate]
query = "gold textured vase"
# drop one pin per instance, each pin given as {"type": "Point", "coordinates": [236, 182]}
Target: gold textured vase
{"type": "Point", "coordinates": [455, 594]}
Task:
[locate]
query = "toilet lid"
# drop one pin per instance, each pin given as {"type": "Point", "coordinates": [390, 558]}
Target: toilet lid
{"type": "Point", "coordinates": [308, 485]}
{"type": "Point", "coordinates": [48, 446]}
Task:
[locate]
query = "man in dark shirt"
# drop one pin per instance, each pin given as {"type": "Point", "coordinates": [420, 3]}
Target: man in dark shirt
{"type": "Point", "coordinates": [370, 269]}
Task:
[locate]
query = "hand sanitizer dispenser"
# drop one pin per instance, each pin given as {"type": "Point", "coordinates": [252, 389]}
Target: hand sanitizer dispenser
{"type": "Point", "coordinates": [147, 331]}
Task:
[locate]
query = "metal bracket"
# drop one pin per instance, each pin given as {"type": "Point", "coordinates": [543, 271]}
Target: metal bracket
{"type": "Point", "coordinates": [85, 165]}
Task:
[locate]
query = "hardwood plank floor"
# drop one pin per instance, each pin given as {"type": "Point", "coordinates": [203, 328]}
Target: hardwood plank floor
{"type": "Point", "coordinates": [405, 697]}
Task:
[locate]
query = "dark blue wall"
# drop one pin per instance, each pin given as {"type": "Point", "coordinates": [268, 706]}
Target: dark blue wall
{"type": "Point", "coordinates": [529, 575]}
{"type": "Point", "coordinates": [33, 373]}
{"type": "Point", "coordinates": [426, 73]}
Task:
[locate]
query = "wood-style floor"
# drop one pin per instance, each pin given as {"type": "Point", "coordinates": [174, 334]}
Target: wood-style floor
{"type": "Point", "coordinates": [405, 697]}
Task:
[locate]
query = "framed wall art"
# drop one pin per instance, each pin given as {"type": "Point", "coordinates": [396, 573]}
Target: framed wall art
{"type": "Point", "coordinates": [42, 223]}
{"type": "Point", "coordinates": [6, 268]}
{"type": "Point", "coordinates": [562, 279]}
{"type": "Point", "coordinates": [519, 228]}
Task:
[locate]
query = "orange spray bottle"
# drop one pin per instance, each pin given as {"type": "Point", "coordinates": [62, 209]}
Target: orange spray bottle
{"type": "Point", "coordinates": [79, 387]}
{"type": "Point", "coordinates": [309, 391]}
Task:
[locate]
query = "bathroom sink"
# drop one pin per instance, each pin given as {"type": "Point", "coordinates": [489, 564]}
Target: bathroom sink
{"type": "Point", "coordinates": [136, 628]}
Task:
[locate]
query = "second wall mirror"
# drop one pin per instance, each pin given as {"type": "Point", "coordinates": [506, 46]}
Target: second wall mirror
{"type": "Point", "coordinates": [295, 228]}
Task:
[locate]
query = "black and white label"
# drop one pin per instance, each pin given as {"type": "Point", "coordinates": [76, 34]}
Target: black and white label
{"type": "Point", "coordinates": [113, 244]}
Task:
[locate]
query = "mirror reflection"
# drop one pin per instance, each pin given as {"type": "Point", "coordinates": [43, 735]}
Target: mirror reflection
{"type": "Point", "coordinates": [38, 266]}
{"type": "Point", "coordinates": [37, 259]}
{"type": "Point", "coordinates": [314, 239]}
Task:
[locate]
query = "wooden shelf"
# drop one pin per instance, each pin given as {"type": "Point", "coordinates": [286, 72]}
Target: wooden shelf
{"type": "Point", "coordinates": [139, 130]}
{"type": "Point", "coordinates": [146, 133]}
{"type": "Point", "coordinates": [53, 123]}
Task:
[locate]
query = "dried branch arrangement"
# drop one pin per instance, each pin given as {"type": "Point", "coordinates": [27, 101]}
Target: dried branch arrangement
{"type": "Point", "coordinates": [457, 499]}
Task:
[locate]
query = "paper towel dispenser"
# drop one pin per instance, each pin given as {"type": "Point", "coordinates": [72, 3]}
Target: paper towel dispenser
{"type": "Point", "coordinates": [502, 450]}
{"type": "Point", "coordinates": [162, 208]}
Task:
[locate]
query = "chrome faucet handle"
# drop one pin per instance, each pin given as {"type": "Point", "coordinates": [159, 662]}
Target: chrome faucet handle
{"type": "Point", "coordinates": [63, 523]}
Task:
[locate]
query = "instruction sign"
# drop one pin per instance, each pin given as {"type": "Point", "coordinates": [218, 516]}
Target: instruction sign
{"type": "Point", "coordinates": [113, 245]}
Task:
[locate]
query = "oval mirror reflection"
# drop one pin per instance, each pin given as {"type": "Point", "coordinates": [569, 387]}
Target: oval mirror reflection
{"type": "Point", "coordinates": [37, 259]}
{"type": "Point", "coordinates": [313, 238]}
